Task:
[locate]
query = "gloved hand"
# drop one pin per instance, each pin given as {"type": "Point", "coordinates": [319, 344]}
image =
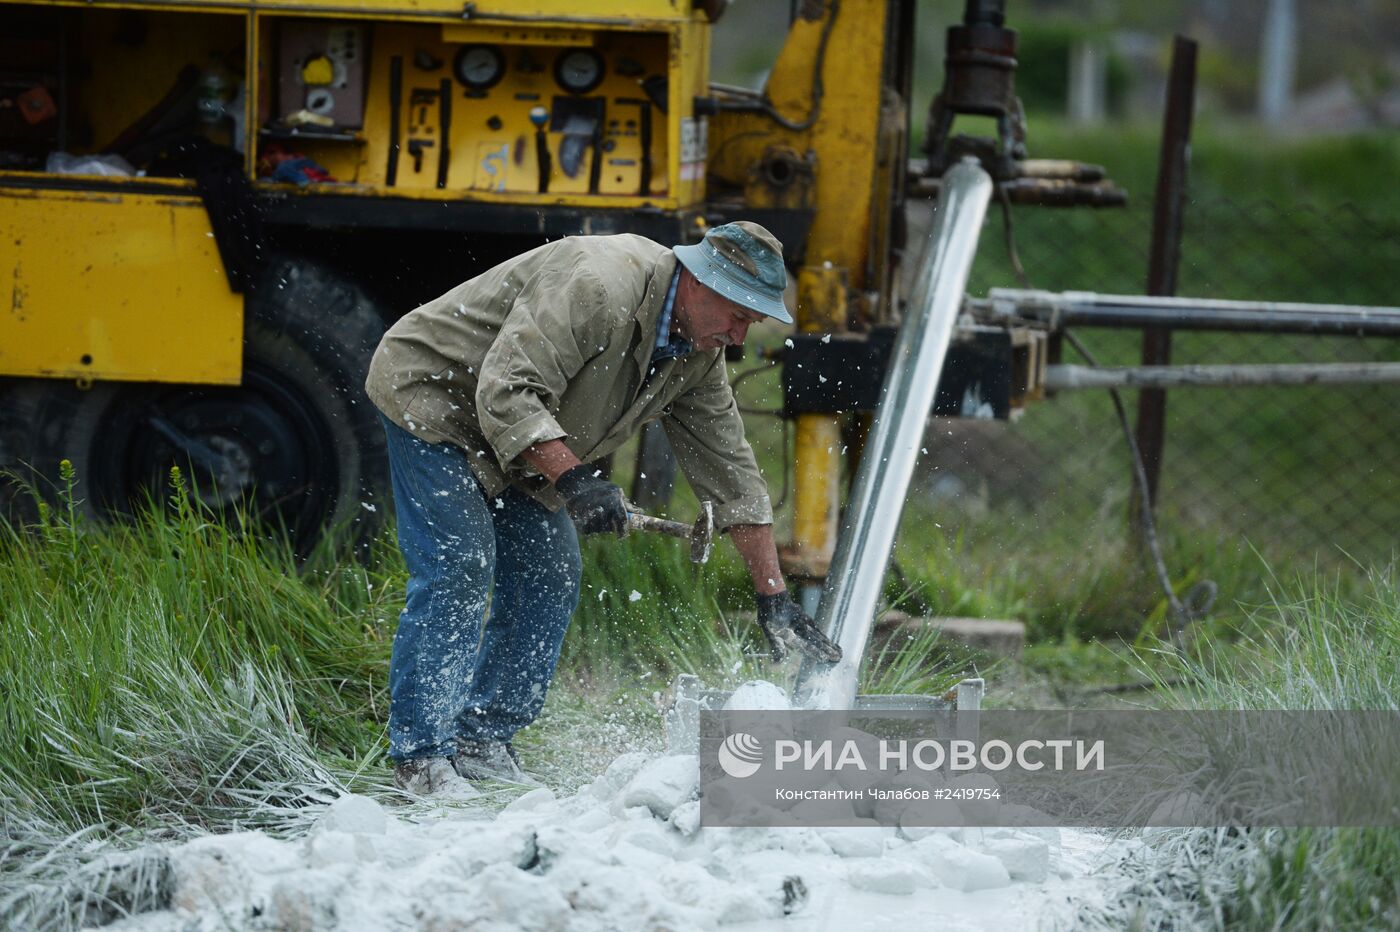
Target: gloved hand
{"type": "Point", "coordinates": [595, 504]}
{"type": "Point", "coordinates": [787, 627]}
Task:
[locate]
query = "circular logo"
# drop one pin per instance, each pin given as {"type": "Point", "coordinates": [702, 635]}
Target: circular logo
{"type": "Point", "coordinates": [740, 755]}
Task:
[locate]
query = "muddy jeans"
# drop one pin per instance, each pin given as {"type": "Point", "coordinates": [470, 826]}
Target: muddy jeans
{"type": "Point", "coordinates": [454, 672]}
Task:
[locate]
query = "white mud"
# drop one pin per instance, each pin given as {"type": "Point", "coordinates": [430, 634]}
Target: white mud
{"type": "Point", "coordinates": [624, 852]}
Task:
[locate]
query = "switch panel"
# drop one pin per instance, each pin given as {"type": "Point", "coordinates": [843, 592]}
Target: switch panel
{"type": "Point", "coordinates": [321, 68]}
{"type": "Point", "coordinates": [531, 112]}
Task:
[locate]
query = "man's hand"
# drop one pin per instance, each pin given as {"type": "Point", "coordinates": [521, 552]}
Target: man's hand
{"type": "Point", "coordinates": [787, 628]}
{"type": "Point", "coordinates": [595, 504]}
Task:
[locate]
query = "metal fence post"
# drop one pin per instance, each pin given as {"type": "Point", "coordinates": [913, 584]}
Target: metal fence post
{"type": "Point", "coordinates": [1169, 206]}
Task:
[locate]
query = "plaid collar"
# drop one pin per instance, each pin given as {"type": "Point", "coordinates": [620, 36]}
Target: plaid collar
{"type": "Point", "coordinates": [669, 346]}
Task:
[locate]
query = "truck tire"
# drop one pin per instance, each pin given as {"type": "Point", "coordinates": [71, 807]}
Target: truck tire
{"type": "Point", "coordinates": [15, 455]}
{"type": "Point", "coordinates": [297, 443]}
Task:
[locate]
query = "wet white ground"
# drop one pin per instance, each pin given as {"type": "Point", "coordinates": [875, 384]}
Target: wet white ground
{"type": "Point", "coordinates": [626, 852]}
{"type": "Point", "coordinates": [623, 853]}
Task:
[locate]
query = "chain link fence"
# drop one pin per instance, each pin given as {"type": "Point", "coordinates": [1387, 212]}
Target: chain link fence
{"type": "Point", "coordinates": [1299, 474]}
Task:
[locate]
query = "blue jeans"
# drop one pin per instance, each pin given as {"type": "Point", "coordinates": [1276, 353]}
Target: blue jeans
{"type": "Point", "coordinates": [456, 672]}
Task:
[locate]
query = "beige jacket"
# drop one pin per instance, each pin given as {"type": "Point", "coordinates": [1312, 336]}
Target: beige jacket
{"type": "Point", "coordinates": [557, 344]}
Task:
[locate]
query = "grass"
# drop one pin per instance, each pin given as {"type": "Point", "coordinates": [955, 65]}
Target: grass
{"type": "Point", "coordinates": [177, 675]}
{"type": "Point", "coordinates": [137, 663]}
{"type": "Point", "coordinates": [1324, 641]}
{"type": "Point", "coordinates": [106, 627]}
{"type": "Point", "coordinates": [670, 624]}
{"type": "Point", "coordinates": [163, 678]}
{"type": "Point", "coordinates": [1320, 643]}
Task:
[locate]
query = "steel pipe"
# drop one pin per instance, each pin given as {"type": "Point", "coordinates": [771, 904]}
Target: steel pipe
{"type": "Point", "coordinates": [1063, 378]}
{"type": "Point", "coordinates": [1085, 308]}
{"type": "Point", "coordinates": [868, 524]}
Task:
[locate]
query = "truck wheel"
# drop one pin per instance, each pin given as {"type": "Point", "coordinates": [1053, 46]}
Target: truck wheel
{"type": "Point", "coordinates": [297, 443]}
{"type": "Point", "coordinates": [15, 454]}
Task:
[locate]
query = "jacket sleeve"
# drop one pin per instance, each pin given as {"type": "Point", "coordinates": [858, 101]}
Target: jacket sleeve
{"type": "Point", "coordinates": [707, 435]}
{"type": "Point", "coordinates": [557, 321]}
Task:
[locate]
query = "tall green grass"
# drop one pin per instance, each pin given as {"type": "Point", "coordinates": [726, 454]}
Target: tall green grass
{"type": "Point", "coordinates": [1319, 644]}
{"type": "Point", "coordinates": [174, 671]}
{"type": "Point", "coordinates": [177, 674]}
{"type": "Point", "coordinates": [1325, 648]}
{"type": "Point", "coordinates": [154, 673]}
{"type": "Point", "coordinates": [166, 677]}
{"type": "Point", "coordinates": [645, 606]}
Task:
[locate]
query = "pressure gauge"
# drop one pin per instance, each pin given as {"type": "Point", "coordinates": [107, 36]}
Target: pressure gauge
{"type": "Point", "coordinates": [479, 66]}
{"type": "Point", "coordinates": [578, 71]}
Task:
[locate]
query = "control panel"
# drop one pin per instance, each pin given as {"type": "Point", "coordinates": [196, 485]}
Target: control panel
{"type": "Point", "coordinates": [488, 109]}
{"type": "Point", "coordinates": [321, 72]}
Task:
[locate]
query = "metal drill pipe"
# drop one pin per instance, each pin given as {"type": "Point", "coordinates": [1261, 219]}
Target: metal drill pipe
{"type": "Point", "coordinates": [1063, 378]}
{"type": "Point", "coordinates": [871, 518]}
{"type": "Point", "coordinates": [1087, 309]}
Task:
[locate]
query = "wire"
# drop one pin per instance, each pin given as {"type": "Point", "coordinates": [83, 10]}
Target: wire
{"type": "Point", "coordinates": [766, 367]}
{"type": "Point", "coordinates": [818, 88]}
{"type": "Point", "coordinates": [1009, 238]}
{"type": "Point", "coordinates": [738, 379]}
{"type": "Point", "coordinates": [1200, 598]}
{"type": "Point", "coordinates": [1180, 615]}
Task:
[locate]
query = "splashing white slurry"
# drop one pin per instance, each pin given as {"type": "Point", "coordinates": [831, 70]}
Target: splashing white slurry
{"type": "Point", "coordinates": [624, 852]}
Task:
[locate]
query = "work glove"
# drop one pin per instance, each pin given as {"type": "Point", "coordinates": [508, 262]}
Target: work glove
{"type": "Point", "coordinates": [595, 504]}
{"type": "Point", "coordinates": [787, 627]}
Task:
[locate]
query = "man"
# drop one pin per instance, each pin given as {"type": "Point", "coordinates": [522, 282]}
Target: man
{"type": "Point", "coordinates": [494, 396]}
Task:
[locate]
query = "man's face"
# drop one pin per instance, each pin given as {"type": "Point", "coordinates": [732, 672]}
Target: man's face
{"type": "Point", "coordinates": [708, 319]}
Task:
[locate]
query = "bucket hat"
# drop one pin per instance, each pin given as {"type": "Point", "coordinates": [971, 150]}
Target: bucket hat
{"type": "Point", "coordinates": [742, 262]}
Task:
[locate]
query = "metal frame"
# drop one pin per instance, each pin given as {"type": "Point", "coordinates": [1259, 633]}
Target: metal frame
{"type": "Point", "coordinates": [1085, 308]}
{"type": "Point", "coordinates": [1069, 378]}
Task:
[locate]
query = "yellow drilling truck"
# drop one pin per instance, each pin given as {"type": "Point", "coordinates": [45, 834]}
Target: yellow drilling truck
{"type": "Point", "coordinates": [211, 209]}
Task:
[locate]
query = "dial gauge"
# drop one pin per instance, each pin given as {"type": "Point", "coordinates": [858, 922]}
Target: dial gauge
{"type": "Point", "coordinates": [578, 71]}
{"type": "Point", "coordinates": [479, 66]}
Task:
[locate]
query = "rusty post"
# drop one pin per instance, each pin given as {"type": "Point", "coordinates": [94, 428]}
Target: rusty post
{"type": "Point", "coordinates": [1168, 209]}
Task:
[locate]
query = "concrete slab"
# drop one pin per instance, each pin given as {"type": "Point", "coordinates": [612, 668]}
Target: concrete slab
{"type": "Point", "coordinates": [997, 636]}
